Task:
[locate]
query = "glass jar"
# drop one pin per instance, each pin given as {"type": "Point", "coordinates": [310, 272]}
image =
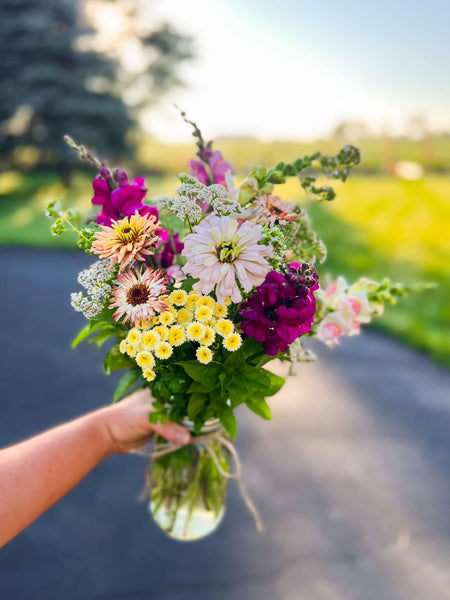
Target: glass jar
{"type": "Point", "coordinates": [187, 490]}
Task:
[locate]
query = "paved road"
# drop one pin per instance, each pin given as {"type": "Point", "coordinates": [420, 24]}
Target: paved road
{"type": "Point", "coordinates": [352, 477]}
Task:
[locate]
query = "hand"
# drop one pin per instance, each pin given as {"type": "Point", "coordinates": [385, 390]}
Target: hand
{"type": "Point", "coordinates": [127, 425]}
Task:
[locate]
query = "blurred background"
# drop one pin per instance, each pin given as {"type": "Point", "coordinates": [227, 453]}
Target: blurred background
{"type": "Point", "coordinates": [352, 475]}
{"type": "Point", "coordinates": [268, 81]}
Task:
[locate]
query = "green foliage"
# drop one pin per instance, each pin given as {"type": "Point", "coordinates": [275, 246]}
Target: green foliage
{"type": "Point", "coordinates": [86, 331]}
{"type": "Point", "coordinates": [115, 360]}
{"type": "Point", "coordinates": [65, 220]}
{"type": "Point", "coordinates": [126, 382]}
{"type": "Point", "coordinates": [335, 167]}
{"type": "Point", "coordinates": [220, 387]}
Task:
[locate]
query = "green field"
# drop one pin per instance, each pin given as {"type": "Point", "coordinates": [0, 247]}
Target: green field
{"type": "Point", "coordinates": [378, 225]}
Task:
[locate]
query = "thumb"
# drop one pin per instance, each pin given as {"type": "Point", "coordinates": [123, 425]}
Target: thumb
{"type": "Point", "coordinates": [173, 433]}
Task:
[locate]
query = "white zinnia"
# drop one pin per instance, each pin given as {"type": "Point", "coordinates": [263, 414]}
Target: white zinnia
{"type": "Point", "coordinates": [221, 253]}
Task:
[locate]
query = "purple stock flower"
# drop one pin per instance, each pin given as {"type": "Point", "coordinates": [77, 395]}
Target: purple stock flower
{"type": "Point", "coordinates": [123, 201]}
{"type": "Point", "coordinates": [281, 309]}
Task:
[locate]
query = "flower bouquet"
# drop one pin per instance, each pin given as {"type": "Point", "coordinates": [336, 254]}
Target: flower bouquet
{"type": "Point", "coordinates": [198, 292]}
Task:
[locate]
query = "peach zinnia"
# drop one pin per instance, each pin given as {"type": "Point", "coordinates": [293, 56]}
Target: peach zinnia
{"type": "Point", "coordinates": [271, 210]}
{"type": "Point", "coordinates": [138, 294]}
{"type": "Point", "coordinates": [127, 240]}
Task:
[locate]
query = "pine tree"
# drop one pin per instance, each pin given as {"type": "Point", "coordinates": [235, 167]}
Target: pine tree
{"type": "Point", "coordinates": [49, 88]}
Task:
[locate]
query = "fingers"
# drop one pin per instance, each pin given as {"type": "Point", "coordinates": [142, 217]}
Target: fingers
{"type": "Point", "coordinates": [173, 433]}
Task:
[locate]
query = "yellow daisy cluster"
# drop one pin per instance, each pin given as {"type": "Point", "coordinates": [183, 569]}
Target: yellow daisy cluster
{"type": "Point", "coordinates": [189, 318]}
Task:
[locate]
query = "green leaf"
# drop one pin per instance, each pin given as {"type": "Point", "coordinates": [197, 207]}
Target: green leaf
{"type": "Point", "coordinates": [259, 406]}
{"type": "Point", "coordinates": [196, 387]}
{"type": "Point", "coordinates": [86, 332]}
{"type": "Point", "coordinates": [126, 382]}
{"type": "Point", "coordinates": [196, 404]}
{"type": "Point", "coordinates": [236, 393]}
{"type": "Point", "coordinates": [115, 360]}
{"type": "Point", "coordinates": [106, 332]}
{"type": "Point", "coordinates": [227, 419]}
{"type": "Point", "coordinates": [276, 383]}
{"type": "Point", "coordinates": [207, 375]}
{"type": "Point", "coordinates": [106, 315]}
{"type": "Point", "coordinates": [255, 379]}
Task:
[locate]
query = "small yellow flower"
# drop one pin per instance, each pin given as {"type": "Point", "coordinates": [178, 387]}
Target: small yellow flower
{"type": "Point", "coordinates": [204, 355]}
{"type": "Point", "coordinates": [227, 301]}
{"type": "Point", "coordinates": [209, 337]}
{"type": "Point", "coordinates": [166, 318]}
{"type": "Point", "coordinates": [232, 342]}
{"type": "Point", "coordinates": [145, 359]}
{"type": "Point", "coordinates": [150, 339]}
{"type": "Point", "coordinates": [156, 321]}
{"type": "Point", "coordinates": [176, 335]}
{"type": "Point", "coordinates": [206, 301]}
{"type": "Point", "coordinates": [203, 313]}
{"type": "Point", "coordinates": [178, 297]}
{"type": "Point", "coordinates": [224, 327]}
{"type": "Point", "coordinates": [184, 315]}
{"type": "Point", "coordinates": [134, 336]}
{"type": "Point", "coordinates": [163, 331]}
{"type": "Point", "coordinates": [131, 350]}
{"type": "Point", "coordinates": [195, 331]}
{"type": "Point", "coordinates": [148, 374]}
{"type": "Point", "coordinates": [163, 350]}
{"type": "Point", "coordinates": [220, 311]}
{"type": "Point", "coordinates": [123, 346]}
{"type": "Point", "coordinates": [192, 299]}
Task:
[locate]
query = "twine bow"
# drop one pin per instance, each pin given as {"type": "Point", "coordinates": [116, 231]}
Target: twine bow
{"type": "Point", "coordinates": [205, 440]}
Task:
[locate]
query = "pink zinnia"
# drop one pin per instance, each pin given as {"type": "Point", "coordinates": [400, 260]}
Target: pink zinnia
{"type": "Point", "coordinates": [138, 294]}
{"type": "Point", "coordinates": [223, 254]}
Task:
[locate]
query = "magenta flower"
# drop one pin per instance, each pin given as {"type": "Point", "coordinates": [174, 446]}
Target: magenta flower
{"type": "Point", "coordinates": [168, 250]}
{"type": "Point", "coordinates": [281, 309]}
{"type": "Point", "coordinates": [123, 201]}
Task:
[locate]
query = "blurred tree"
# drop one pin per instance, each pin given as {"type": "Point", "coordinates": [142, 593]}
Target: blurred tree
{"type": "Point", "coordinates": [145, 47]}
{"type": "Point", "coordinates": [52, 82]}
{"type": "Point", "coordinates": [48, 88]}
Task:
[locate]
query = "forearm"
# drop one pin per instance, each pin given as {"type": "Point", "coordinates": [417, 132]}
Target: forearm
{"type": "Point", "coordinates": [36, 473]}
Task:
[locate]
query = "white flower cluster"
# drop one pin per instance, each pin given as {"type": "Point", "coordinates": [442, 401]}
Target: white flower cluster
{"type": "Point", "coordinates": [89, 308]}
{"type": "Point", "coordinates": [96, 281]}
{"type": "Point", "coordinates": [298, 354]}
{"type": "Point", "coordinates": [193, 197]}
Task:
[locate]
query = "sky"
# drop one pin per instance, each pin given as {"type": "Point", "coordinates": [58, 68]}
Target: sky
{"type": "Point", "coordinates": [294, 69]}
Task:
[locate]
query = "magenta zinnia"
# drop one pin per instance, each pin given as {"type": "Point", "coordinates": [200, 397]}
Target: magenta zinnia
{"type": "Point", "coordinates": [127, 240]}
{"type": "Point", "coordinates": [138, 294]}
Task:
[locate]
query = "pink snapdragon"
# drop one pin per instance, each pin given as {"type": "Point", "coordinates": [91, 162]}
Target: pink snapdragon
{"type": "Point", "coordinates": [218, 165]}
{"type": "Point", "coordinates": [348, 308]}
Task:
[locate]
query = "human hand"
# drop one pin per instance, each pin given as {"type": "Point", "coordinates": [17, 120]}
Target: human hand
{"type": "Point", "coordinates": [127, 426]}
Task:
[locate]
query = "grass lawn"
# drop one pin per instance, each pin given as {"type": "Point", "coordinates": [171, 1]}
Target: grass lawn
{"type": "Point", "coordinates": [376, 226]}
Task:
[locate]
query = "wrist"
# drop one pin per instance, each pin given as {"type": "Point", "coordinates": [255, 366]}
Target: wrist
{"type": "Point", "coordinates": [101, 421]}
